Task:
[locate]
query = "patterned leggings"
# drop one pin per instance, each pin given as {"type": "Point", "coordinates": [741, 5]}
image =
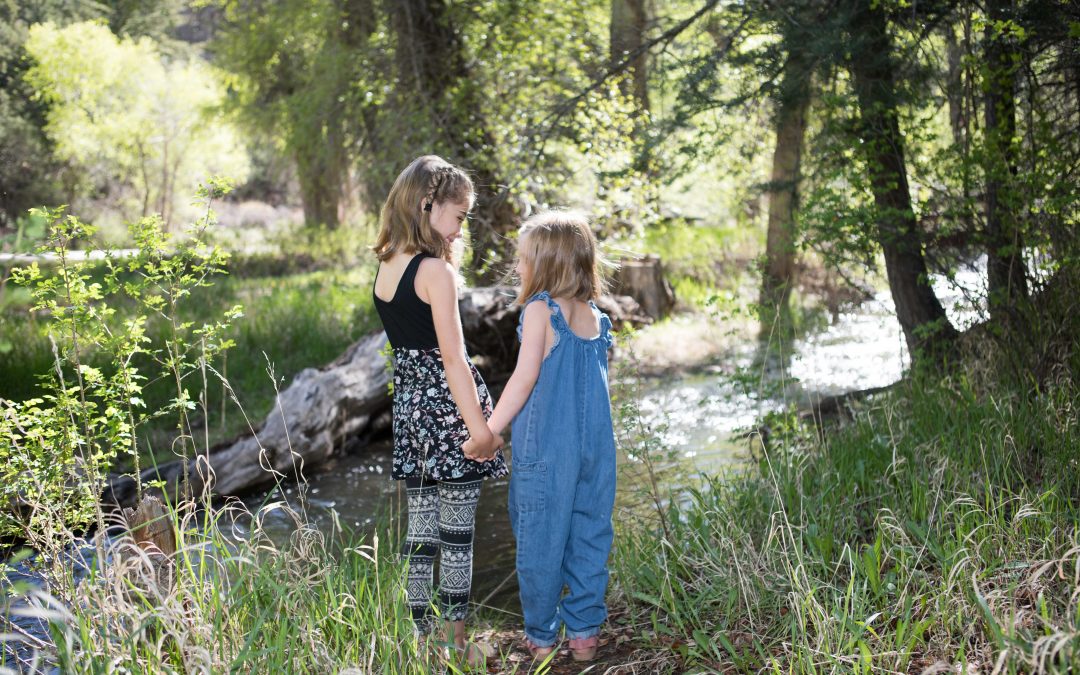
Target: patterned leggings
{"type": "Point", "coordinates": [442, 516]}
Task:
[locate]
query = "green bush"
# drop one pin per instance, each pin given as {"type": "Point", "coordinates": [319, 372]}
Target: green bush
{"type": "Point", "coordinates": [56, 448]}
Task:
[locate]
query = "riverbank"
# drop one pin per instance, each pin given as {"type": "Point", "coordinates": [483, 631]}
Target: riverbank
{"type": "Point", "coordinates": [937, 530]}
{"type": "Point", "coordinates": [925, 531]}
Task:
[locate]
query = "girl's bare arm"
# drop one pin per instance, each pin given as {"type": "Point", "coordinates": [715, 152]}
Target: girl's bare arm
{"type": "Point", "coordinates": [437, 281]}
{"type": "Point", "coordinates": [534, 331]}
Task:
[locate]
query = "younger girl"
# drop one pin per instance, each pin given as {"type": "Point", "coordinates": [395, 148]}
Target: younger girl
{"type": "Point", "coordinates": [439, 398]}
{"type": "Point", "coordinates": [562, 488]}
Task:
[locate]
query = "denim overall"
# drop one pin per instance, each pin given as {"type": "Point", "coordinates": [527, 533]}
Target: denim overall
{"type": "Point", "coordinates": [562, 486]}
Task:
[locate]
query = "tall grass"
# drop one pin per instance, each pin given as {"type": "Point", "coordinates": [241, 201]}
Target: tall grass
{"type": "Point", "coordinates": [238, 602]}
{"type": "Point", "coordinates": [937, 529]}
{"type": "Point", "coordinates": [231, 598]}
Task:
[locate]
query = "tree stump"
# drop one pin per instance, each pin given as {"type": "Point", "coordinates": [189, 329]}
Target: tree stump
{"type": "Point", "coordinates": [151, 527]}
{"type": "Point", "coordinates": [643, 280]}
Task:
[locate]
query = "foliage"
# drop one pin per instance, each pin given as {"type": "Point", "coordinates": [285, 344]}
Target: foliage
{"type": "Point", "coordinates": [57, 448]}
{"type": "Point", "coordinates": [334, 71]}
{"type": "Point", "coordinates": [125, 116]}
{"type": "Point", "coordinates": [304, 77]}
{"type": "Point", "coordinates": [291, 321]}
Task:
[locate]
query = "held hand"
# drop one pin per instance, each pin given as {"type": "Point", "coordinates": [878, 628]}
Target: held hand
{"type": "Point", "coordinates": [482, 452]}
{"type": "Point", "coordinates": [468, 448]}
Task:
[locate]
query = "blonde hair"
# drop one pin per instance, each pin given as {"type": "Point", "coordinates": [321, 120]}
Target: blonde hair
{"type": "Point", "coordinates": [563, 259]}
{"type": "Point", "coordinates": [405, 221]}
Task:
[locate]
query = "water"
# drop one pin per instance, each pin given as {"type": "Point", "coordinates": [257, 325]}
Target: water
{"type": "Point", "coordinates": [26, 606]}
{"type": "Point", "coordinates": [699, 417]}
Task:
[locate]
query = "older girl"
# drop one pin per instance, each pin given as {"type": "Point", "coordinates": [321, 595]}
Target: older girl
{"type": "Point", "coordinates": [439, 398]}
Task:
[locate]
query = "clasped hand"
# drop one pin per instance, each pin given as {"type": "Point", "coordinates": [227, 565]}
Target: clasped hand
{"type": "Point", "coordinates": [482, 452]}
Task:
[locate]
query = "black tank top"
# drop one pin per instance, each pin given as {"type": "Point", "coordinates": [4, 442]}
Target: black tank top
{"type": "Point", "coordinates": [406, 318]}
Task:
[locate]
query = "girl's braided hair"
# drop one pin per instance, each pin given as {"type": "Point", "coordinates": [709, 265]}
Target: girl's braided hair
{"type": "Point", "coordinates": [405, 221]}
{"type": "Point", "coordinates": [439, 177]}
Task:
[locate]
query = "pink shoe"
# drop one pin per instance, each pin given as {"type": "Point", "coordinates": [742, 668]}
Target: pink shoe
{"type": "Point", "coordinates": [537, 651]}
{"type": "Point", "coordinates": [584, 649]}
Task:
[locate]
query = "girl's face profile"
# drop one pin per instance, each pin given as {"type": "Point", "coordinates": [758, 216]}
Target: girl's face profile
{"type": "Point", "coordinates": [448, 217]}
{"type": "Point", "coordinates": [522, 270]}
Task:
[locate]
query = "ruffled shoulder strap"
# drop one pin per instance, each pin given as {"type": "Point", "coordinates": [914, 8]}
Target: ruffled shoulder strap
{"type": "Point", "coordinates": [557, 321]}
{"type": "Point", "coordinates": [605, 327]}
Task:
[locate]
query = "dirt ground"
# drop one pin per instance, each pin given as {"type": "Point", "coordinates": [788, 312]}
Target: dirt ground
{"type": "Point", "coordinates": [614, 657]}
{"type": "Point", "coordinates": [684, 343]}
{"type": "Point", "coordinates": [621, 652]}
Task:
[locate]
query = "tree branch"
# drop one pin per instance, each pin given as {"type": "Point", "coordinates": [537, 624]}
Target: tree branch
{"type": "Point", "coordinates": [667, 36]}
{"type": "Point", "coordinates": [543, 128]}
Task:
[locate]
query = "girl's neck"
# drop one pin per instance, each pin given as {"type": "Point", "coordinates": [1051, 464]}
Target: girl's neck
{"type": "Point", "coordinates": [568, 298]}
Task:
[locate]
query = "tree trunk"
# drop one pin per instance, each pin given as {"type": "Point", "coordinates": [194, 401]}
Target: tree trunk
{"type": "Point", "coordinates": [1006, 276]}
{"type": "Point", "coordinates": [958, 91]}
{"type": "Point", "coordinates": [629, 20]}
{"type": "Point", "coordinates": [954, 87]}
{"type": "Point", "coordinates": [322, 153]}
{"type": "Point", "coordinates": [359, 22]}
{"type": "Point", "coordinates": [433, 70]}
{"type": "Point", "coordinates": [320, 182]}
{"type": "Point", "coordinates": [922, 318]}
{"type": "Point", "coordinates": [783, 190]}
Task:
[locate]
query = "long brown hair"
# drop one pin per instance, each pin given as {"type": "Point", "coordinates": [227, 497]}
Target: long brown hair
{"type": "Point", "coordinates": [561, 253]}
{"type": "Point", "coordinates": [405, 221]}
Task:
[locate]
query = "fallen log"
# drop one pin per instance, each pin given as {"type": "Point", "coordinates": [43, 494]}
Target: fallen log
{"type": "Point", "coordinates": [839, 405]}
{"type": "Point", "coordinates": [324, 408]}
{"type": "Point", "coordinates": [310, 418]}
{"type": "Point", "coordinates": [824, 409]}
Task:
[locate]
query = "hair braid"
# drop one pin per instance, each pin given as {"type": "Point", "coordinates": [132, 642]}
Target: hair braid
{"type": "Point", "coordinates": [438, 177]}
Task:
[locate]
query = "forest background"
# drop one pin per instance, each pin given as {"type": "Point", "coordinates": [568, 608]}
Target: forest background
{"type": "Point", "coordinates": [784, 161]}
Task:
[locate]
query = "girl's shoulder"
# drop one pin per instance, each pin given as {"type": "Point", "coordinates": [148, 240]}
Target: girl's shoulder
{"type": "Point", "coordinates": [534, 310]}
{"type": "Point", "coordinates": [437, 281]}
{"type": "Point", "coordinates": [435, 269]}
{"type": "Point", "coordinates": [542, 297]}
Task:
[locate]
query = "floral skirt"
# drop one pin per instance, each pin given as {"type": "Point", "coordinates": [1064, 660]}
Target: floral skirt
{"type": "Point", "coordinates": [428, 428]}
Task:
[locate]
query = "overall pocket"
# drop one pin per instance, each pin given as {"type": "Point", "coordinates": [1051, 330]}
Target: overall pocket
{"type": "Point", "coordinates": [528, 487]}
